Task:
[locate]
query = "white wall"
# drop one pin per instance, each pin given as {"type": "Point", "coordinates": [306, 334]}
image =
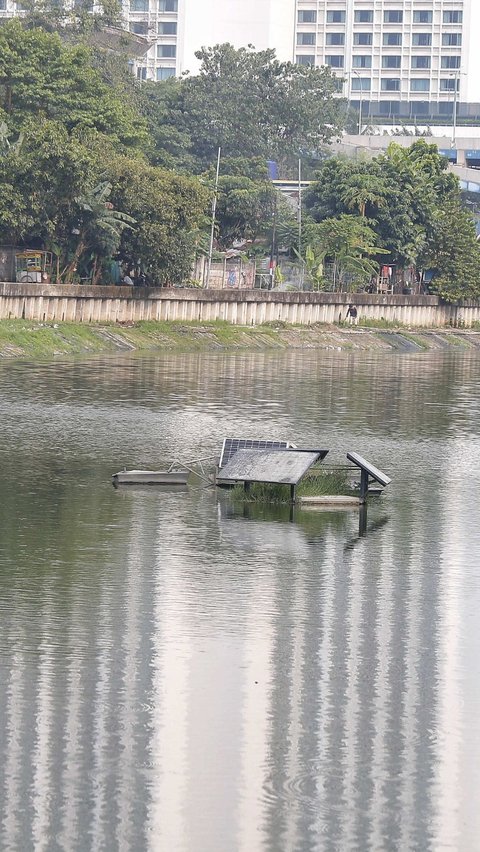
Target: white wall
{"type": "Point", "coordinates": [263, 23]}
{"type": "Point", "coordinates": [470, 83]}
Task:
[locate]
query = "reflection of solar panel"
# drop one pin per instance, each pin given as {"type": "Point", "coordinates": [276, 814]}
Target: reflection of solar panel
{"type": "Point", "coordinates": [231, 445]}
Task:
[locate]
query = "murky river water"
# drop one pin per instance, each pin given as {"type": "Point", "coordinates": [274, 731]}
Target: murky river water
{"type": "Point", "coordinates": [178, 675]}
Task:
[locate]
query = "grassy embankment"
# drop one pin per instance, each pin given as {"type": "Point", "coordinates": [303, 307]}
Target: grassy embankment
{"type": "Point", "coordinates": [27, 339]}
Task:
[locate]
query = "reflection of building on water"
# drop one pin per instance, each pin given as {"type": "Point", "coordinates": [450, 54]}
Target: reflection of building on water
{"type": "Point", "coordinates": [236, 683]}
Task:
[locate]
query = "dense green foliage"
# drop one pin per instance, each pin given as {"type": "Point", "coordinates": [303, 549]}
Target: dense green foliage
{"type": "Point", "coordinates": [252, 105]}
{"type": "Point", "coordinates": [412, 206]}
{"type": "Point", "coordinates": [96, 167]}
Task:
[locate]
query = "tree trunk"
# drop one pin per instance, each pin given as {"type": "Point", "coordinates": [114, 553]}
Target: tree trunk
{"type": "Point", "coordinates": [97, 268]}
{"type": "Point", "coordinates": [70, 270]}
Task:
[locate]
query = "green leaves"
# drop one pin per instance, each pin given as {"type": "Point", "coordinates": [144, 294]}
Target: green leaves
{"type": "Point", "coordinates": [251, 105]}
{"type": "Point", "coordinates": [412, 204]}
{"type": "Point", "coordinates": [41, 77]}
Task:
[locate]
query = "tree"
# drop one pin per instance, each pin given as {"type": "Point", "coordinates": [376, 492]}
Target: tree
{"type": "Point", "coordinates": [361, 190]}
{"type": "Point", "coordinates": [41, 77]}
{"type": "Point", "coordinates": [167, 209]}
{"type": "Point", "coordinates": [400, 194]}
{"type": "Point", "coordinates": [349, 243]}
{"type": "Point", "coordinates": [39, 180]}
{"type": "Point", "coordinates": [252, 105]}
{"type": "Point", "coordinates": [244, 209]}
{"type": "Point", "coordinates": [455, 258]}
{"type": "Point", "coordinates": [97, 232]}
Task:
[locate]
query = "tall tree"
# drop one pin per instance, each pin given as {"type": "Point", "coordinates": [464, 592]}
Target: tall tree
{"type": "Point", "coordinates": [41, 77]}
{"type": "Point", "coordinates": [455, 253]}
{"type": "Point", "coordinates": [167, 208]}
{"type": "Point", "coordinates": [251, 105]}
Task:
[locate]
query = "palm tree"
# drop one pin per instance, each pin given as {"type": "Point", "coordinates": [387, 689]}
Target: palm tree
{"type": "Point", "coordinates": [363, 189]}
{"type": "Point", "coordinates": [99, 229]}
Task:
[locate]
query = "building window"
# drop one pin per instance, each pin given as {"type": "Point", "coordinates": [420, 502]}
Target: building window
{"type": "Point", "coordinates": [420, 108]}
{"type": "Point", "coordinates": [167, 28]}
{"type": "Point", "coordinates": [453, 17]}
{"type": "Point", "coordinates": [392, 39]}
{"type": "Point", "coordinates": [393, 16]}
{"type": "Point", "coordinates": [307, 17]}
{"type": "Point", "coordinates": [389, 107]}
{"type": "Point", "coordinates": [391, 61]}
{"type": "Point", "coordinates": [390, 85]}
{"type": "Point", "coordinates": [421, 62]}
{"type": "Point", "coordinates": [361, 84]}
{"type": "Point", "coordinates": [449, 85]}
{"type": "Point", "coordinates": [337, 39]}
{"type": "Point", "coordinates": [139, 29]}
{"type": "Point", "coordinates": [420, 85]}
{"type": "Point", "coordinates": [305, 60]}
{"type": "Point", "coordinates": [139, 5]}
{"type": "Point", "coordinates": [445, 108]}
{"type": "Point", "coordinates": [166, 51]}
{"type": "Point", "coordinates": [141, 73]}
{"type": "Point", "coordinates": [422, 17]}
{"type": "Point", "coordinates": [364, 39]}
{"type": "Point", "coordinates": [452, 39]}
{"type": "Point", "coordinates": [334, 61]}
{"type": "Point", "coordinates": [165, 74]}
{"type": "Point", "coordinates": [450, 62]}
{"type": "Point", "coordinates": [3, 5]}
{"type": "Point", "coordinates": [168, 5]}
{"type": "Point", "coordinates": [421, 40]}
{"type": "Point", "coordinates": [335, 17]}
{"type": "Point", "coordinates": [364, 16]}
{"type": "Point", "coordinates": [362, 62]}
{"type": "Point", "coordinates": [306, 38]}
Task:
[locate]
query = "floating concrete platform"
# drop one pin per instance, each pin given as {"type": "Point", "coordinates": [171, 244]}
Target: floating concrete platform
{"type": "Point", "coordinates": [329, 500]}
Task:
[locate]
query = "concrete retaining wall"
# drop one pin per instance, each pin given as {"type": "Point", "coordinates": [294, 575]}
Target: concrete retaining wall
{"type": "Point", "coordinates": [240, 307]}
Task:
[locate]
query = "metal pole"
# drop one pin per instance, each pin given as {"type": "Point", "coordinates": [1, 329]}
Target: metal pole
{"type": "Point", "coordinates": [360, 108]}
{"type": "Point", "coordinates": [274, 239]}
{"type": "Point", "coordinates": [214, 210]}
{"type": "Point", "coordinates": [300, 207]}
{"type": "Point", "coordinates": [300, 221]}
{"type": "Point", "coordinates": [455, 100]}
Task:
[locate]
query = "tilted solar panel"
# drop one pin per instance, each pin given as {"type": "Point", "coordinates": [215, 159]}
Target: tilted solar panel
{"type": "Point", "coordinates": [231, 445]}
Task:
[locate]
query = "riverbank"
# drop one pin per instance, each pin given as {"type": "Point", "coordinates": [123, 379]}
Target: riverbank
{"type": "Point", "coordinates": [27, 339]}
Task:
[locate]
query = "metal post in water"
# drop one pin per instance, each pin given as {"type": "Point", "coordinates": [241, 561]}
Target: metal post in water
{"type": "Point", "coordinates": [214, 210]}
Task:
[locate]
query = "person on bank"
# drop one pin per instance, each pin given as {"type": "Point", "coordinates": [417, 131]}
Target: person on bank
{"type": "Point", "coordinates": [352, 314]}
{"type": "Point", "coordinates": [127, 280]}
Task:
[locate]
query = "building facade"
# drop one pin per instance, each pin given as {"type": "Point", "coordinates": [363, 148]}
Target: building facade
{"type": "Point", "coordinates": [400, 60]}
{"type": "Point", "coordinates": [416, 59]}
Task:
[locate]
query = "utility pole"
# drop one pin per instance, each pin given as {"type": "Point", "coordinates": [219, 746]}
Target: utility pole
{"type": "Point", "coordinates": [360, 107]}
{"type": "Point", "coordinates": [214, 210]}
{"type": "Point", "coordinates": [455, 103]}
{"type": "Point", "coordinates": [300, 207]}
{"type": "Point", "coordinates": [300, 221]}
{"type": "Point", "coordinates": [273, 247]}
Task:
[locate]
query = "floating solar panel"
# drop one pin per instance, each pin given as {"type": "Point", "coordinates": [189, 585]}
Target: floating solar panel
{"type": "Point", "coordinates": [369, 469]}
{"type": "Point", "coordinates": [268, 465]}
{"type": "Point", "coordinates": [231, 445]}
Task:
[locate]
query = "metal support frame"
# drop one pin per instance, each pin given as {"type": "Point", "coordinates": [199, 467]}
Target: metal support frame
{"type": "Point", "coordinates": [364, 480]}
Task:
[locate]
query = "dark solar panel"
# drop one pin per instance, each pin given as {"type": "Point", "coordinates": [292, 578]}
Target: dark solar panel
{"type": "Point", "coordinates": [231, 445]}
{"type": "Point", "coordinates": [268, 465]}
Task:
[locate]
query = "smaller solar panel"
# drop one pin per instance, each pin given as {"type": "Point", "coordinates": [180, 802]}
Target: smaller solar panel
{"type": "Point", "coordinates": [372, 471]}
{"type": "Point", "coordinates": [231, 445]}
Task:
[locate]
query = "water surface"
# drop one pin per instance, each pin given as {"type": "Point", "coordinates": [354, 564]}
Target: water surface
{"type": "Point", "coordinates": [181, 674]}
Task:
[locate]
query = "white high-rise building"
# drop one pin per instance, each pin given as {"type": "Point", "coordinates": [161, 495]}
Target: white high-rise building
{"type": "Point", "coordinates": [402, 59]}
